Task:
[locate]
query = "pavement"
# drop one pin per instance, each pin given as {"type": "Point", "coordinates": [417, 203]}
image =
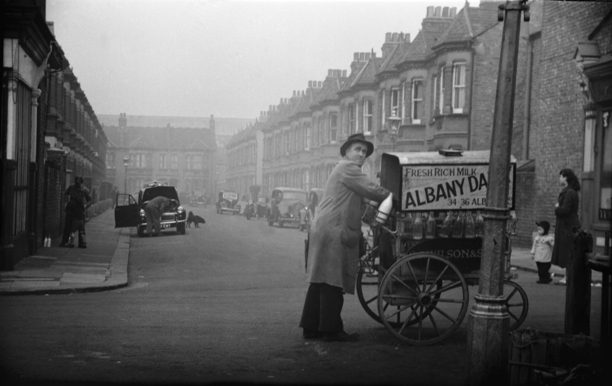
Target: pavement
{"type": "Point", "coordinates": [103, 265]}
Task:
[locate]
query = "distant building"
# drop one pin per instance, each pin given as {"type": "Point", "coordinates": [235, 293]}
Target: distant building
{"type": "Point", "coordinates": [179, 151]}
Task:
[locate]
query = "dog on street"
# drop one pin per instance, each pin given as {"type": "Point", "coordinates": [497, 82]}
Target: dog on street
{"type": "Point", "coordinates": [195, 219]}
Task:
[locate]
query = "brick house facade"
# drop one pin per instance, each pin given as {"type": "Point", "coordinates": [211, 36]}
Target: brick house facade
{"type": "Point", "coordinates": [440, 93]}
{"type": "Point", "coordinates": [50, 133]}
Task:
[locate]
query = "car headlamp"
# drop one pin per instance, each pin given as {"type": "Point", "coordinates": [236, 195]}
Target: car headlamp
{"type": "Point", "coordinates": [180, 209]}
{"type": "Point", "coordinates": [142, 213]}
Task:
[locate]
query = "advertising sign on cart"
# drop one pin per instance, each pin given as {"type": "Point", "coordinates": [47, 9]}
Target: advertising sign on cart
{"type": "Point", "coordinates": [434, 182]}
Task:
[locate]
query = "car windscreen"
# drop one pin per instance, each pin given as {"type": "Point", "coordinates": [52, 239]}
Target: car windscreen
{"type": "Point", "coordinates": [230, 196]}
{"type": "Point", "coordinates": [294, 196]}
{"type": "Point", "coordinates": [166, 191]}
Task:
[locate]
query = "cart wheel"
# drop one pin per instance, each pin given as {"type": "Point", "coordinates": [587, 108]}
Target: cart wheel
{"type": "Point", "coordinates": [367, 291]}
{"type": "Point", "coordinates": [516, 303]}
{"type": "Point", "coordinates": [424, 299]}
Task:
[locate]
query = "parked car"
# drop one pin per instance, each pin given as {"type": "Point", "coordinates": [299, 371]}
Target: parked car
{"type": "Point", "coordinates": [285, 205]}
{"type": "Point", "coordinates": [228, 202]}
{"type": "Point", "coordinates": [131, 213]}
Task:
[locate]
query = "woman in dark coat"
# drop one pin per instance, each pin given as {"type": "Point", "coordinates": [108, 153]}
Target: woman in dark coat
{"type": "Point", "coordinates": [566, 211]}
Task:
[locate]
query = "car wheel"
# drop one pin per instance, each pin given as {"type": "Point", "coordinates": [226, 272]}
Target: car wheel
{"type": "Point", "coordinates": [140, 231]}
{"type": "Point", "coordinates": [181, 228]}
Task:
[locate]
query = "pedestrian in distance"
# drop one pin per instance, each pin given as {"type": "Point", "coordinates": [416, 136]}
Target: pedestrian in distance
{"type": "Point", "coordinates": [566, 212]}
{"type": "Point", "coordinates": [541, 251]}
{"type": "Point", "coordinates": [332, 260]}
{"type": "Point", "coordinates": [154, 210]}
{"type": "Point", "coordinates": [78, 199]}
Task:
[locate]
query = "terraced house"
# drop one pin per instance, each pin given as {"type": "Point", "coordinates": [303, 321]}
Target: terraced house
{"type": "Point", "coordinates": [438, 91]}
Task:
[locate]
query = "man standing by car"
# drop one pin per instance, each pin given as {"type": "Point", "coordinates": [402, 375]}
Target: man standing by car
{"type": "Point", "coordinates": [154, 210]}
{"type": "Point", "coordinates": [334, 237]}
{"type": "Point", "coordinates": [77, 200]}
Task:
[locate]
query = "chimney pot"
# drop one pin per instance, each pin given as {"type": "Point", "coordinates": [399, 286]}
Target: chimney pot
{"type": "Point", "coordinates": [437, 11]}
{"type": "Point", "coordinates": [388, 36]}
{"type": "Point", "coordinates": [445, 12]}
{"type": "Point", "coordinates": [394, 36]}
{"type": "Point", "coordinates": [430, 11]}
{"type": "Point", "coordinates": [309, 83]}
{"type": "Point", "coordinates": [356, 56]}
{"type": "Point", "coordinates": [320, 84]}
{"type": "Point", "coordinates": [330, 72]}
{"type": "Point", "coordinates": [344, 74]}
{"type": "Point", "coordinates": [453, 12]}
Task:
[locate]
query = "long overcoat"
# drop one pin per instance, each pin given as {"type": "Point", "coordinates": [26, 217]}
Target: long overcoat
{"type": "Point", "coordinates": [567, 217]}
{"type": "Point", "coordinates": [333, 252]}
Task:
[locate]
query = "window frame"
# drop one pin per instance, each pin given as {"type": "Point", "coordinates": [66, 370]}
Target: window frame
{"type": "Point", "coordinates": [368, 116]}
{"type": "Point", "coordinates": [459, 90]}
{"type": "Point", "coordinates": [333, 127]}
{"type": "Point", "coordinates": [442, 90]}
{"type": "Point", "coordinates": [395, 102]}
{"type": "Point", "coordinates": [416, 104]}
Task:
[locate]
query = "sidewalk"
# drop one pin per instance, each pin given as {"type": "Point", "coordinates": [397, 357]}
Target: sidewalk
{"type": "Point", "coordinates": [103, 265]}
{"type": "Point", "coordinates": [521, 260]}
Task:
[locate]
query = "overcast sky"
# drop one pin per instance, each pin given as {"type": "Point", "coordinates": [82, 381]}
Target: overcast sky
{"type": "Point", "coordinates": [229, 58]}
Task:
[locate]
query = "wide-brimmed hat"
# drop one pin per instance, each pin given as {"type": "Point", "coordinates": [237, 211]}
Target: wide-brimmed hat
{"type": "Point", "coordinates": [359, 137]}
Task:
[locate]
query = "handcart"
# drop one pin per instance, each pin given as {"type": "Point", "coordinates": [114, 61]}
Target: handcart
{"type": "Point", "coordinates": [415, 274]}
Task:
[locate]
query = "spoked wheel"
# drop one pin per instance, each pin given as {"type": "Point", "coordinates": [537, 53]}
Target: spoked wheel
{"type": "Point", "coordinates": [423, 299]}
{"type": "Point", "coordinates": [367, 291]}
{"type": "Point", "coordinates": [516, 303]}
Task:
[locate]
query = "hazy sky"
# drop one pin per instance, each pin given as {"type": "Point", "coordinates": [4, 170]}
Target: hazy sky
{"type": "Point", "coordinates": [229, 58]}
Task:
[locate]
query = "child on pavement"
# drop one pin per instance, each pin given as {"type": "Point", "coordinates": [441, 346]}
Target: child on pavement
{"type": "Point", "coordinates": [541, 251]}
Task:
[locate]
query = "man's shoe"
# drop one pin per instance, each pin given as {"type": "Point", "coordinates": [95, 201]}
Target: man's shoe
{"type": "Point", "coordinates": [311, 334]}
{"type": "Point", "coordinates": [83, 246]}
{"type": "Point", "coordinates": [341, 337]}
{"type": "Point", "coordinates": [69, 245]}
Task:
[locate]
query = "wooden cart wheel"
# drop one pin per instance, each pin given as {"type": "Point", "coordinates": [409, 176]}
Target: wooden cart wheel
{"type": "Point", "coordinates": [367, 291]}
{"type": "Point", "coordinates": [516, 303]}
{"type": "Point", "coordinates": [423, 298]}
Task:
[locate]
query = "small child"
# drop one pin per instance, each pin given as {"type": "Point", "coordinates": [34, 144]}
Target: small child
{"type": "Point", "coordinates": [541, 251]}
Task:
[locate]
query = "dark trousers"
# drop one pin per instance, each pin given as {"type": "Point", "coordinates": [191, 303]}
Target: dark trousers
{"type": "Point", "coordinates": [543, 270]}
{"type": "Point", "coordinates": [322, 308]}
{"type": "Point", "coordinates": [68, 225]}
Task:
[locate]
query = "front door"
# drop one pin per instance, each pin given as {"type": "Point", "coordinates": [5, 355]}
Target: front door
{"type": "Point", "coordinates": [127, 212]}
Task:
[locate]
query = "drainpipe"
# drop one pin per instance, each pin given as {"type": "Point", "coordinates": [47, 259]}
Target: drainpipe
{"type": "Point", "coordinates": [527, 105]}
{"type": "Point", "coordinates": [469, 125]}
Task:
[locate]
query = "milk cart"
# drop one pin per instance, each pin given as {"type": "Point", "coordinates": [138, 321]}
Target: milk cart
{"type": "Point", "coordinates": [414, 280]}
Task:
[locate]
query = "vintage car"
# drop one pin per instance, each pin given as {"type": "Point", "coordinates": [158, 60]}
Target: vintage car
{"type": "Point", "coordinates": [130, 213]}
{"type": "Point", "coordinates": [228, 202]}
{"type": "Point", "coordinates": [285, 205]}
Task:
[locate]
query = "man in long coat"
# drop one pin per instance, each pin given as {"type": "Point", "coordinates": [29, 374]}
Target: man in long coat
{"type": "Point", "coordinates": [334, 237]}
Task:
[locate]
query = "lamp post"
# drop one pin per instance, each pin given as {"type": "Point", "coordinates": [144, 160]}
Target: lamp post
{"type": "Point", "coordinates": [489, 318]}
{"type": "Point", "coordinates": [126, 162]}
{"type": "Point", "coordinates": [390, 129]}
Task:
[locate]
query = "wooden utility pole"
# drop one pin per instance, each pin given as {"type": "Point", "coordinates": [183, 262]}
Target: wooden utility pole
{"type": "Point", "coordinates": [488, 318]}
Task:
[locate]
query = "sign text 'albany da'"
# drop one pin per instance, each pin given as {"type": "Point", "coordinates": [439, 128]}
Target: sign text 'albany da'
{"type": "Point", "coordinates": [447, 187]}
